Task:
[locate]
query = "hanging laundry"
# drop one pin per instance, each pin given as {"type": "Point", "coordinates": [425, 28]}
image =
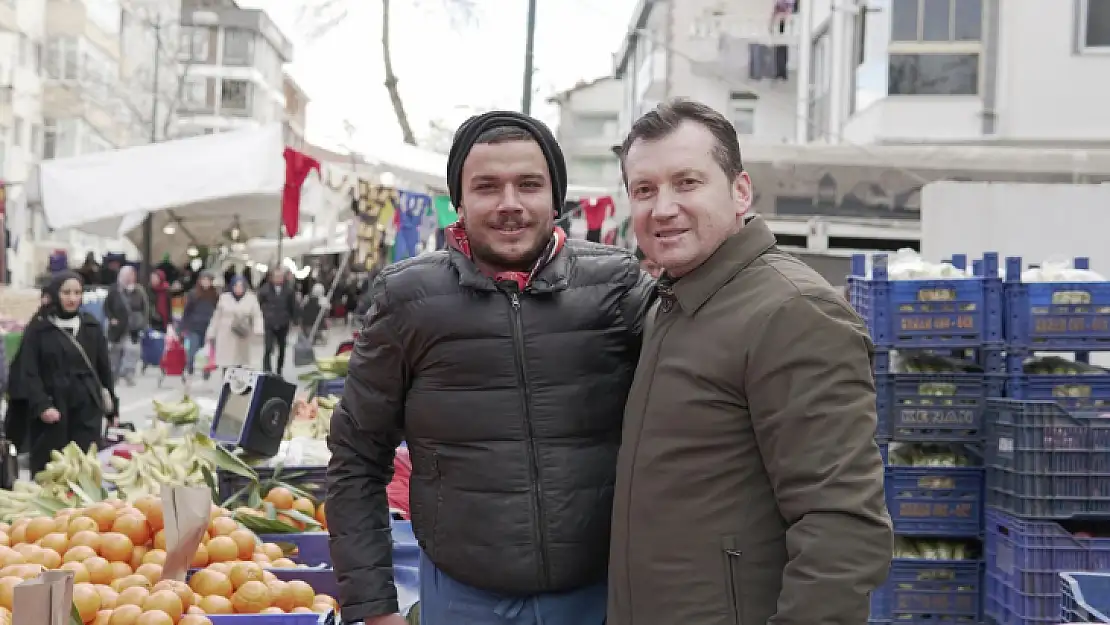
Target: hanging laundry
{"type": "Point", "coordinates": [446, 214]}
{"type": "Point", "coordinates": [761, 62]}
{"type": "Point", "coordinates": [413, 217]}
{"type": "Point", "coordinates": [297, 167]}
{"type": "Point", "coordinates": [597, 210]}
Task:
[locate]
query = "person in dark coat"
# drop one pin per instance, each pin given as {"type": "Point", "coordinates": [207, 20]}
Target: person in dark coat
{"type": "Point", "coordinates": [504, 362]}
{"type": "Point", "coordinates": [128, 312]}
{"type": "Point", "coordinates": [15, 417]}
{"type": "Point", "coordinates": [278, 299]}
{"type": "Point", "coordinates": [200, 305]}
{"type": "Point", "coordinates": [63, 369]}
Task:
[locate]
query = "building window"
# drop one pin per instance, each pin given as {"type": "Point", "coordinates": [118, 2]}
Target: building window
{"type": "Point", "coordinates": [235, 96]}
{"type": "Point", "coordinates": [17, 131]}
{"type": "Point", "coordinates": [36, 141]}
{"type": "Point", "coordinates": [596, 126]}
{"type": "Point", "coordinates": [935, 47]}
{"type": "Point", "coordinates": [238, 47]}
{"type": "Point", "coordinates": [195, 92]}
{"type": "Point", "coordinates": [62, 58]}
{"type": "Point", "coordinates": [192, 43]}
{"type": "Point", "coordinates": [741, 112]}
{"type": "Point", "coordinates": [59, 138]}
{"type": "Point", "coordinates": [820, 84]}
{"type": "Point", "coordinates": [1094, 24]}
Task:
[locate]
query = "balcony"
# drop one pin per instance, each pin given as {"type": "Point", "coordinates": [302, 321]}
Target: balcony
{"type": "Point", "coordinates": [72, 100]}
{"type": "Point", "coordinates": [67, 18]}
{"type": "Point", "coordinates": [745, 51]}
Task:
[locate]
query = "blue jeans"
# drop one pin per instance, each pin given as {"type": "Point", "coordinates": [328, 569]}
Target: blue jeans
{"type": "Point", "coordinates": [195, 342]}
{"type": "Point", "coordinates": [444, 601]}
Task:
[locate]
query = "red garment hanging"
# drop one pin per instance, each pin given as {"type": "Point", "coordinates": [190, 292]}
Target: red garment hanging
{"type": "Point", "coordinates": [597, 210]}
{"type": "Point", "coordinates": [297, 167]}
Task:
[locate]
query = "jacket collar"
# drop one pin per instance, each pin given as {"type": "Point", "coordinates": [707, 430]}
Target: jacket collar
{"type": "Point", "coordinates": [694, 289]}
{"type": "Point", "coordinates": [550, 278]}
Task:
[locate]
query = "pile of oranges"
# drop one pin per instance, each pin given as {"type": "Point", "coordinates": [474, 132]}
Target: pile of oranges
{"type": "Point", "coordinates": [116, 552]}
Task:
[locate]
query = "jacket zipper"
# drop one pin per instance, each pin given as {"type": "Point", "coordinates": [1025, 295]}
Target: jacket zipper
{"type": "Point", "coordinates": [732, 557]}
{"type": "Point", "coordinates": [533, 465]}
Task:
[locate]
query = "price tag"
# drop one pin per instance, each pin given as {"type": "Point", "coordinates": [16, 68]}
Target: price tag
{"type": "Point", "coordinates": [1005, 445]}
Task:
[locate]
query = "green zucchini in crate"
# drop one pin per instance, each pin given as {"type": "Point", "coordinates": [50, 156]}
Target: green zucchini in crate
{"type": "Point", "coordinates": [930, 397]}
{"type": "Point", "coordinates": [934, 490]}
{"type": "Point", "coordinates": [1075, 385]}
{"type": "Point", "coordinates": [934, 581]}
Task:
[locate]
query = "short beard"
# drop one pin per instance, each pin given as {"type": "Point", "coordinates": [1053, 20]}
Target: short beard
{"type": "Point", "coordinates": [483, 254]}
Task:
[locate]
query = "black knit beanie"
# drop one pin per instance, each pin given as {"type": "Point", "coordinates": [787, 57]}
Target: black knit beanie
{"type": "Point", "coordinates": [467, 135]}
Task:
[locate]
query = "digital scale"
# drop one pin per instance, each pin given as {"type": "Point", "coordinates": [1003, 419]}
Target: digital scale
{"type": "Point", "coordinates": [253, 411]}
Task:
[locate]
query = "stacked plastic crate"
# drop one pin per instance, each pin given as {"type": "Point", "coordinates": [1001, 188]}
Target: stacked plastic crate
{"type": "Point", "coordinates": [931, 431]}
{"type": "Point", "coordinates": [1047, 450]}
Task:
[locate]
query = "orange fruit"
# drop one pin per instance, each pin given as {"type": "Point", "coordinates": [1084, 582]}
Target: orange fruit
{"type": "Point", "coordinates": [251, 598]}
{"type": "Point", "coordinates": [78, 553]}
{"type": "Point", "coordinates": [222, 549]}
{"type": "Point", "coordinates": [284, 563]}
{"type": "Point", "coordinates": [273, 551]}
{"type": "Point", "coordinates": [208, 582]}
{"type": "Point", "coordinates": [4, 540]}
{"type": "Point", "coordinates": [130, 581]}
{"type": "Point", "coordinates": [137, 554]}
{"type": "Point", "coordinates": [216, 604]}
{"type": "Point", "coordinates": [7, 590]}
{"type": "Point", "coordinates": [154, 617]}
{"type": "Point", "coordinates": [9, 556]}
{"type": "Point", "coordinates": [281, 596]}
{"type": "Point", "coordinates": [18, 534]}
{"type": "Point", "coordinates": [125, 615]}
{"type": "Point", "coordinates": [281, 497]}
{"type": "Point", "coordinates": [246, 541]}
{"type": "Point", "coordinates": [81, 524]}
{"type": "Point", "coordinates": [36, 528]}
{"type": "Point", "coordinates": [216, 511]}
{"type": "Point", "coordinates": [116, 547]}
{"type": "Point", "coordinates": [194, 619]}
{"type": "Point", "coordinates": [80, 573]}
{"type": "Point", "coordinates": [88, 538]}
{"type": "Point", "coordinates": [160, 540]}
{"type": "Point", "coordinates": [151, 507]}
{"type": "Point", "coordinates": [151, 571]}
{"type": "Point", "coordinates": [188, 597]}
{"type": "Point", "coordinates": [56, 541]}
{"type": "Point", "coordinates": [243, 572]}
{"type": "Point", "coordinates": [271, 610]}
{"type": "Point", "coordinates": [321, 608]}
{"type": "Point", "coordinates": [328, 600]}
{"type": "Point", "coordinates": [290, 521]}
{"type": "Point", "coordinates": [115, 502]}
{"type": "Point", "coordinates": [104, 514]}
{"type": "Point", "coordinates": [261, 559]}
{"type": "Point", "coordinates": [108, 597]}
{"type": "Point", "coordinates": [134, 526]}
{"type": "Point", "coordinates": [221, 567]}
{"type": "Point", "coordinates": [25, 571]}
{"type": "Point", "coordinates": [303, 595]}
{"type": "Point", "coordinates": [86, 600]}
{"type": "Point", "coordinates": [102, 617]}
{"type": "Point", "coordinates": [26, 549]}
{"type": "Point", "coordinates": [100, 570]}
{"type": "Point", "coordinates": [134, 595]}
{"type": "Point", "coordinates": [194, 609]}
{"type": "Point", "coordinates": [304, 506]}
{"type": "Point", "coordinates": [200, 558]}
{"type": "Point", "coordinates": [222, 526]}
{"type": "Point", "coordinates": [155, 556]}
{"type": "Point", "coordinates": [301, 610]}
{"type": "Point", "coordinates": [48, 558]}
{"type": "Point", "coordinates": [121, 569]}
{"type": "Point", "coordinates": [166, 601]}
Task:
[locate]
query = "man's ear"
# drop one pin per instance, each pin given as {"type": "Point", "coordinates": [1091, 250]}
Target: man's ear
{"type": "Point", "coordinates": [742, 193]}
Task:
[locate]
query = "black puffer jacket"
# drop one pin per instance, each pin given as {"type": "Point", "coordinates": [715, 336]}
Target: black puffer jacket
{"type": "Point", "coordinates": [511, 406]}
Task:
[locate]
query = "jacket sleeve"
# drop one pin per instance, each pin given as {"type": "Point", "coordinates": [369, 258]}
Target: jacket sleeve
{"type": "Point", "coordinates": [104, 370]}
{"type": "Point", "coordinates": [637, 303]}
{"type": "Point", "coordinates": [214, 323]}
{"type": "Point", "coordinates": [811, 393]}
{"type": "Point", "coordinates": [259, 320]}
{"type": "Point", "coordinates": [366, 429]}
{"type": "Point", "coordinates": [32, 387]}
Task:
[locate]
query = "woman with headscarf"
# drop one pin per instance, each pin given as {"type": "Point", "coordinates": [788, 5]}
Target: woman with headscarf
{"type": "Point", "coordinates": [128, 312]}
{"type": "Point", "coordinates": [200, 306]}
{"type": "Point", "coordinates": [160, 296]}
{"type": "Point", "coordinates": [64, 374]}
{"type": "Point", "coordinates": [238, 317]}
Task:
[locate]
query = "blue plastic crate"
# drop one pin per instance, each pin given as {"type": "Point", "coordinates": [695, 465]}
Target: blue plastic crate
{"type": "Point", "coordinates": [1060, 316]}
{"type": "Point", "coordinates": [330, 387]}
{"type": "Point", "coordinates": [933, 591]}
{"type": "Point", "coordinates": [935, 501]}
{"type": "Point", "coordinates": [928, 313]}
{"type": "Point", "coordinates": [312, 547]}
{"type": "Point", "coordinates": [1085, 597]}
{"type": "Point", "coordinates": [1023, 563]}
{"type": "Point", "coordinates": [1075, 392]}
{"type": "Point", "coordinates": [934, 407]}
{"type": "Point", "coordinates": [314, 480]}
{"type": "Point", "coordinates": [267, 619]}
{"type": "Point", "coordinates": [1044, 462]}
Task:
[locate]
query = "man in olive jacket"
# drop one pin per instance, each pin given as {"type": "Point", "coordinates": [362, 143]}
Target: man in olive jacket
{"type": "Point", "coordinates": [504, 361]}
{"type": "Point", "coordinates": [749, 485]}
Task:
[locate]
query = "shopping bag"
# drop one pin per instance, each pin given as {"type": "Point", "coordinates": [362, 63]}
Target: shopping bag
{"type": "Point", "coordinates": [211, 366]}
{"type": "Point", "coordinates": [45, 600]}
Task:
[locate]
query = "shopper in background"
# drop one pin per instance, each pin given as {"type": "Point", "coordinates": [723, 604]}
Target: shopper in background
{"type": "Point", "coordinates": [90, 271]}
{"type": "Point", "coordinates": [160, 296]}
{"type": "Point", "coordinates": [749, 487]}
{"type": "Point", "coordinates": [236, 320]}
{"type": "Point", "coordinates": [64, 373]}
{"type": "Point", "coordinates": [127, 311]}
{"type": "Point", "coordinates": [278, 299]}
{"type": "Point", "coordinates": [200, 306]}
{"type": "Point", "coordinates": [313, 306]}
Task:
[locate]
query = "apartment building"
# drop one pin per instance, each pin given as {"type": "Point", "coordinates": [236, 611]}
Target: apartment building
{"type": "Point", "coordinates": [729, 54]}
{"type": "Point", "coordinates": [21, 58]}
{"type": "Point", "coordinates": [589, 126]}
{"type": "Point", "coordinates": [232, 61]}
{"type": "Point", "coordinates": [1013, 72]}
{"type": "Point", "coordinates": [296, 112]}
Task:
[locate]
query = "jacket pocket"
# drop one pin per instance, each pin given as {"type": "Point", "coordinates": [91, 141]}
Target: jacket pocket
{"type": "Point", "coordinates": [437, 502]}
{"type": "Point", "coordinates": [730, 557]}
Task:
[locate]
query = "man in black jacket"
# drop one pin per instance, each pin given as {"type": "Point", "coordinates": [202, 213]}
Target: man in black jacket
{"type": "Point", "coordinates": [278, 302]}
{"type": "Point", "coordinates": [504, 362]}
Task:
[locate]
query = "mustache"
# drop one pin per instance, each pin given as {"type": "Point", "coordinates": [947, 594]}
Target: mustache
{"type": "Point", "coordinates": [509, 221]}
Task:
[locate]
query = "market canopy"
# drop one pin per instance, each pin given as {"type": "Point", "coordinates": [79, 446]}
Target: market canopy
{"type": "Point", "coordinates": [199, 189]}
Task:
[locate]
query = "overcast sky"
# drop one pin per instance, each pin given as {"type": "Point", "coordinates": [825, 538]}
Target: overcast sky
{"type": "Point", "coordinates": [444, 64]}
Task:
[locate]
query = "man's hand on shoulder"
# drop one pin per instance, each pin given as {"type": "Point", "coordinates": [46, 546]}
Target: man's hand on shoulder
{"type": "Point", "coordinates": [388, 619]}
